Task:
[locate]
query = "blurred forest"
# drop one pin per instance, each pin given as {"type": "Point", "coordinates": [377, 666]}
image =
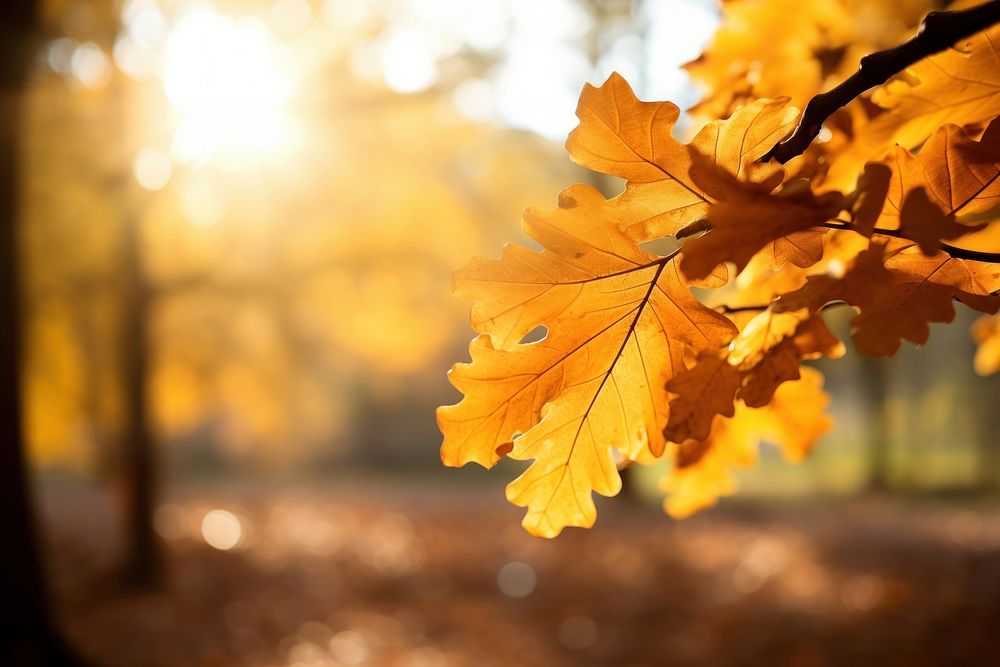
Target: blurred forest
{"type": "Point", "coordinates": [237, 222]}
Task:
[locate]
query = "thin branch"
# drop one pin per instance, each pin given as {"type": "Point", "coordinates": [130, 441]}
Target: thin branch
{"type": "Point", "coordinates": [954, 251]}
{"type": "Point", "coordinates": [938, 31]}
{"type": "Point", "coordinates": [729, 310]}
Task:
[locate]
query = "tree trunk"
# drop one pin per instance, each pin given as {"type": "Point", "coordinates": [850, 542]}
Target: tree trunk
{"type": "Point", "coordinates": [142, 566]}
{"type": "Point", "coordinates": [987, 427]}
{"type": "Point", "coordinates": [875, 381]}
{"type": "Point", "coordinates": [31, 637]}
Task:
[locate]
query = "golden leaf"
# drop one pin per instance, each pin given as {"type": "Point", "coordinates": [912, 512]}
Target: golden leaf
{"type": "Point", "coordinates": [960, 85]}
{"type": "Point", "coordinates": [922, 290]}
{"type": "Point", "coordinates": [620, 135]}
{"type": "Point", "coordinates": [952, 175]}
{"type": "Point", "coordinates": [706, 390]}
{"type": "Point", "coordinates": [619, 320]}
{"type": "Point", "coordinates": [765, 48]}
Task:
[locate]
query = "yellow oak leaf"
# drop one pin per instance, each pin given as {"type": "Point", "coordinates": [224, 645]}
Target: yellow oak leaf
{"type": "Point", "coordinates": [986, 333]}
{"type": "Point", "coordinates": [620, 135]}
{"type": "Point", "coordinates": [703, 472]}
{"type": "Point", "coordinates": [620, 321]}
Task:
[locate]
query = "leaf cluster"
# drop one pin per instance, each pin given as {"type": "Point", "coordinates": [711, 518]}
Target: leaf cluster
{"type": "Point", "coordinates": [892, 216]}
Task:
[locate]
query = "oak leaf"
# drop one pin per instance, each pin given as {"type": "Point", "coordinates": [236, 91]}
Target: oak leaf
{"type": "Point", "coordinates": [620, 321]}
{"type": "Point", "coordinates": [923, 221]}
{"type": "Point", "coordinates": [899, 291]}
{"type": "Point", "coordinates": [622, 136]}
{"type": "Point", "coordinates": [706, 390]}
{"type": "Point", "coordinates": [794, 421]}
{"type": "Point", "coordinates": [960, 85]}
{"type": "Point", "coordinates": [749, 222]}
{"type": "Point", "coordinates": [952, 175]}
{"type": "Point", "coordinates": [766, 353]}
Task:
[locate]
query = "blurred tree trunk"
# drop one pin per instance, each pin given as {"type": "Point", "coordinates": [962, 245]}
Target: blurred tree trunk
{"type": "Point", "coordinates": [31, 637]}
{"type": "Point", "coordinates": [875, 386]}
{"type": "Point", "coordinates": [987, 441]}
{"type": "Point", "coordinates": [137, 469]}
{"type": "Point", "coordinates": [138, 474]}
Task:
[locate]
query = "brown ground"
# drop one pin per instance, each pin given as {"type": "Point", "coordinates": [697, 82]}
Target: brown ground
{"type": "Point", "coordinates": [411, 577]}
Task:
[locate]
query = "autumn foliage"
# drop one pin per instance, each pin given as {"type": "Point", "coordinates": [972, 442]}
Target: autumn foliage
{"type": "Point", "coordinates": [891, 214]}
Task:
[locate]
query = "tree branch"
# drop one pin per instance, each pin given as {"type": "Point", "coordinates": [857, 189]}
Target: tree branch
{"type": "Point", "coordinates": [938, 31]}
{"type": "Point", "coordinates": [954, 251]}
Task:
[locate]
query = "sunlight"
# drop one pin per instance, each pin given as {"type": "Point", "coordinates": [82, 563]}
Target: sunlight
{"type": "Point", "coordinates": [227, 79]}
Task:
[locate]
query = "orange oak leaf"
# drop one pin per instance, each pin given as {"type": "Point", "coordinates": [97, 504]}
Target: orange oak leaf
{"type": "Point", "coordinates": [772, 357]}
{"type": "Point", "coordinates": [899, 291]}
{"type": "Point", "coordinates": [953, 175]}
{"type": "Point", "coordinates": [923, 221]}
{"type": "Point", "coordinates": [922, 290]}
{"type": "Point", "coordinates": [620, 321]}
{"type": "Point", "coordinates": [748, 222]}
{"type": "Point", "coordinates": [862, 284]}
{"type": "Point", "coordinates": [793, 420]}
{"type": "Point", "coordinates": [620, 135]}
{"type": "Point", "coordinates": [707, 389]}
{"type": "Point", "coordinates": [870, 197]}
{"type": "Point", "coordinates": [960, 85]}
{"type": "Point", "coordinates": [766, 353]}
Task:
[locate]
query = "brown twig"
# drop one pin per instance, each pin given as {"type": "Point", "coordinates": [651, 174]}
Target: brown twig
{"type": "Point", "coordinates": [954, 251]}
{"type": "Point", "coordinates": [938, 31]}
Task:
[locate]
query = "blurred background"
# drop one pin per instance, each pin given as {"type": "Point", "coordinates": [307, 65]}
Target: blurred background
{"type": "Point", "coordinates": [237, 225]}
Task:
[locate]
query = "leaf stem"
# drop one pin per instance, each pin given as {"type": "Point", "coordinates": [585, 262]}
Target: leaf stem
{"type": "Point", "coordinates": [938, 31]}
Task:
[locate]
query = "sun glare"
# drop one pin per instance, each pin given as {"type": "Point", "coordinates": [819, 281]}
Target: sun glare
{"type": "Point", "coordinates": [230, 84]}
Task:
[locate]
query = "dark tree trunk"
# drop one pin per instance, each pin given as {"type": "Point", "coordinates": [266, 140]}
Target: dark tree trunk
{"type": "Point", "coordinates": [875, 381]}
{"type": "Point", "coordinates": [30, 637]}
{"type": "Point", "coordinates": [988, 443]}
{"type": "Point", "coordinates": [142, 566]}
